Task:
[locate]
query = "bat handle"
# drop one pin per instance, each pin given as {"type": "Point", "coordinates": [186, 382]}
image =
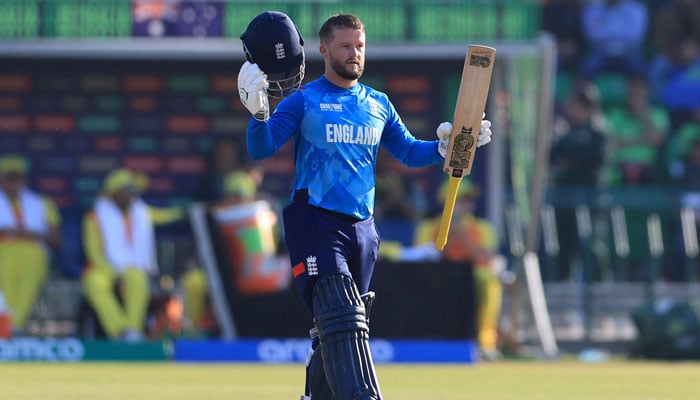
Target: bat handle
{"type": "Point", "coordinates": [446, 220]}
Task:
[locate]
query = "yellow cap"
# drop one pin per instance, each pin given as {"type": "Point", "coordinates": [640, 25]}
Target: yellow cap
{"type": "Point", "coordinates": [119, 179]}
{"type": "Point", "coordinates": [141, 181]}
{"type": "Point", "coordinates": [240, 184]}
{"type": "Point", "coordinates": [13, 164]}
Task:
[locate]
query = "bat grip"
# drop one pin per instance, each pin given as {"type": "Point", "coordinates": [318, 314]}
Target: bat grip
{"type": "Point", "coordinates": [447, 211]}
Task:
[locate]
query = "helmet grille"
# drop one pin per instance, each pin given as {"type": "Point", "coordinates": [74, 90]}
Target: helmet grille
{"type": "Point", "coordinates": [284, 84]}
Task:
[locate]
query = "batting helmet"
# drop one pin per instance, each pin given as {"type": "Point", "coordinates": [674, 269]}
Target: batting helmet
{"type": "Point", "coordinates": [274, 43]}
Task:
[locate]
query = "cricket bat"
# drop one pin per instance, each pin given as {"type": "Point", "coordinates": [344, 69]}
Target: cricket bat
{"type": "Point", "coordinates": [471, 104]}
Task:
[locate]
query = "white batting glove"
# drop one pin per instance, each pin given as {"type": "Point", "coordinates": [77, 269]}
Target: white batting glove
{"type": "Point", "coordinates": [444, 131]}
{"type": "Point", "coordinates": [484, 132]}
{"type": "Point", "coordinates": [252, 89]}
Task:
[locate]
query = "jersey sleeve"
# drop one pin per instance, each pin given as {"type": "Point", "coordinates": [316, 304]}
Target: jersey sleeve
{"type": "Point", "coordinates": [405, 147]}
{"type": "Point", "coordinates": [264, 138]}
{"type": "Point", "coordinates": [165, 215]}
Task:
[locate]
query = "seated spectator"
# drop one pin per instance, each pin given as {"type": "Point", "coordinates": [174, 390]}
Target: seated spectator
{"type": "Point", "coordinates": [246, 237]}
{"type": "Point", "coordinates": [120, 250]}
{"type": "Point", "coordinates": [250, 237]}
{"type": "Point", "coordinates": [576, 158]}
{"type": "Point", "coordinates": [29, 231]}
{"type": "Point", "coordinates": [473, 240]}
{"type": "Point", "coordinates": [578, 148]}
{"type": "Point", "coordinates": [614, 31]}
{"type": "Point", "coordinates": [237, 187]}
{"type": "Point", "coordinates": [637, 137]}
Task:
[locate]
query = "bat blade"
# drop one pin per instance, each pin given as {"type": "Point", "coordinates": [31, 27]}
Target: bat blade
{"type": "Point", "coordinates": [469, 109]}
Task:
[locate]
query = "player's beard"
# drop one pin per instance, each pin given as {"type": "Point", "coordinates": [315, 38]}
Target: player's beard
{"type": "Point", "coordinates": [340, 69]}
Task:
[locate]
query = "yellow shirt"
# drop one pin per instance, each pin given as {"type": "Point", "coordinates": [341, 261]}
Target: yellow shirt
{"type": "Point", "coordinates": [478, 230]}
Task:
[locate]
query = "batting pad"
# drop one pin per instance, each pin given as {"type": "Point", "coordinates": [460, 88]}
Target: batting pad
{"type": "Point", "coordinates": [339, 314]}
{"type": "Point", "coordinates": [317, 384]}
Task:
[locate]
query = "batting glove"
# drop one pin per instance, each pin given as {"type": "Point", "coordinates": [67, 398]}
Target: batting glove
{"type": "Point", "coordinates": [444, 131]}
{"type": "Point", "coordinates": [252, 89]}
{"type": "Point", "coordinates": [484, 132]}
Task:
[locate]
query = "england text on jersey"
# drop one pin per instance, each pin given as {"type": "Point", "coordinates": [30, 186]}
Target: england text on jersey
{"type": "Point", "coordinates": [345, 133]}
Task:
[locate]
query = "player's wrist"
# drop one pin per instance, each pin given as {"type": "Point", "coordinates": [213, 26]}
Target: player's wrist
{"type": "Point", "coordinates": [262, 115]}
{"type": "Point", "coordinates": [443, 132]}
{"type": "Point", "coordinates": [442, 147]}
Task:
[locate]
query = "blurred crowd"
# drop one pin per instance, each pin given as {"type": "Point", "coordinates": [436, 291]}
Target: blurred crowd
{"type": "Point", "coordinates": [629, 74]}
{"type": "Point", "coordinates": [125, 291]}
{"type": "Point", "coordinates": [626, 119]}
{"type": "Point", "coordinates": [627, 115]}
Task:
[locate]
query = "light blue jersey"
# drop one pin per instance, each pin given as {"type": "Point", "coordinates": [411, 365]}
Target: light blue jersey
{"type": "Point", "coordinates": [336, 134]}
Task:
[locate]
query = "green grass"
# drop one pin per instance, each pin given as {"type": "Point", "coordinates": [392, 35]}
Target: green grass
{"type": "Point", "coordinates": [512, 380]}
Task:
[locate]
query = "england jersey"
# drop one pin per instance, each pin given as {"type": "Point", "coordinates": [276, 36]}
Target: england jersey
{"type": "Point", "coordinates": [336, 133]}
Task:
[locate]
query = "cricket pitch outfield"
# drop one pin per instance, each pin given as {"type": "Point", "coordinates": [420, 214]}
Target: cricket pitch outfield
{"type": "Point", "coordinates": [503, 380]}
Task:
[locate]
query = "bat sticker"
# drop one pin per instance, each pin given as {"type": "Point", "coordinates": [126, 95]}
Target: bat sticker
{"type": "Point", "coordinates": [480, 61]}
{"type": "Point", "coordinates": [461, 154]}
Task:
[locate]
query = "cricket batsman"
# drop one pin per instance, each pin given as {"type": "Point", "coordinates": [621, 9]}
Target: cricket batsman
{"type": "Point", "coordinates": [336, 125]}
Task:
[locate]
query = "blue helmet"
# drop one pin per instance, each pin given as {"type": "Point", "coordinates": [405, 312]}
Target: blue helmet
{"type": "Point", "coordinates": [274, 43]}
